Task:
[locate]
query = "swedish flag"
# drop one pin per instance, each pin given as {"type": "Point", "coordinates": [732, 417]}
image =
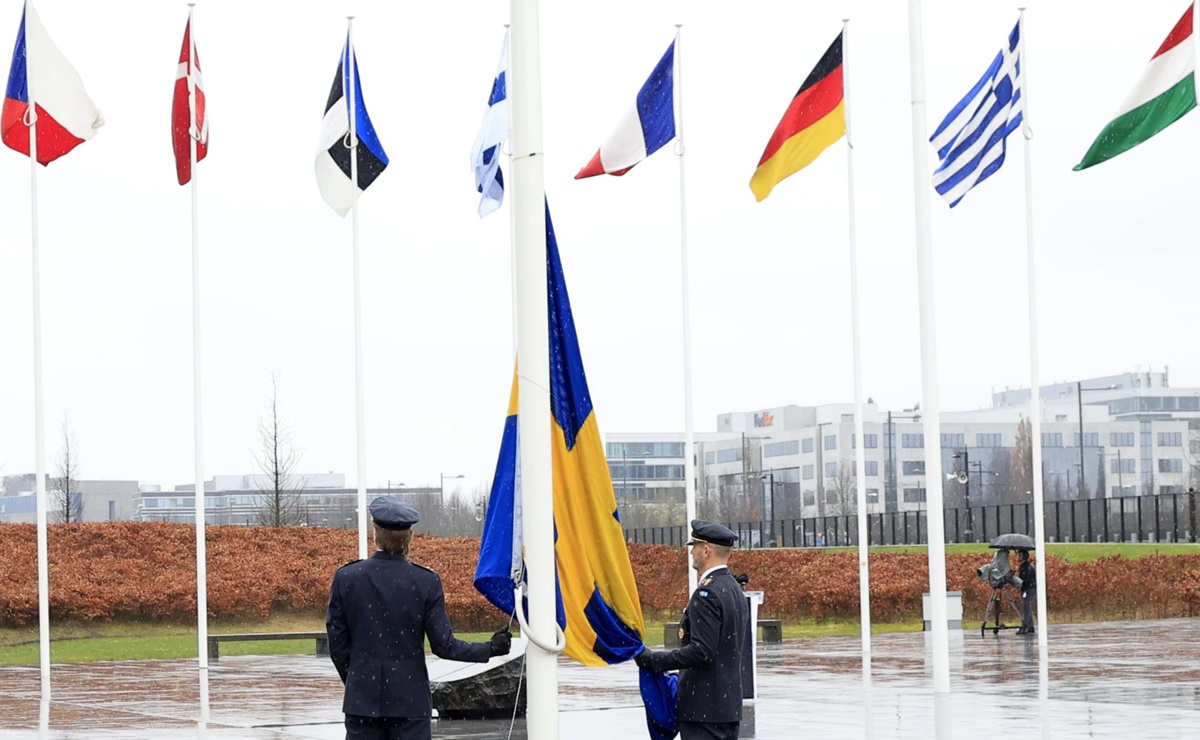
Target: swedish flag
{"type": "Point", "coordinates": [599, 609]}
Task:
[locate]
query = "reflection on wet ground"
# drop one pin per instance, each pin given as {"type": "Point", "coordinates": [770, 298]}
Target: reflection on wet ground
{"type": "Point", "coordinates": [1112, 680]}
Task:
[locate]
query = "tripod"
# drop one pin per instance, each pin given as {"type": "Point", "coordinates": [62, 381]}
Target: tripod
{"type": "Point", "coordinates": [997, 605]}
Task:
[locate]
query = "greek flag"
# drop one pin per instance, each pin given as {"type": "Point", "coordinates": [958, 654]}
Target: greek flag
{"type": "Point", "coordinates": [485, 159]}
{"type": "Point", "coordinates": [970, 141]}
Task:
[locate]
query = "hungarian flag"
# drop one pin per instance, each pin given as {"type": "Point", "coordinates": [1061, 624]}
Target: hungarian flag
{"type": "Point", "coordinates": [815, 118]}
{"type": "Point", "coordinates": [184, 125]}
{"type": "Point", "coordinates": [1165, 92]}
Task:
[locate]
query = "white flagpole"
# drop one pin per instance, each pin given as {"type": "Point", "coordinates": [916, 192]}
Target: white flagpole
{"type": "Point", "coordinates": [929, 370]}
{"type": "Point", "coordinates": [349, 65]}
{"type": "Point", "coordinates": [39, 432]}
{"type": "Point", "coordinates": [1035, 397]}
{"type": "Point", "coordinates": [511, 188]}
{"type": "Point", "coordinates": [689, 435]}
{"type": "Point", "coordinates": [533, 433]}
{"type": "Point", "coordinates": [194, 133]}
{"type": "Point", "coordinates": [860, 456]}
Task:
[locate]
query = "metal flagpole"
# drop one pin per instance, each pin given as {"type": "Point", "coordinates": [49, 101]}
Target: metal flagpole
{"type": "Point", "coordinates": [689, 435]}
{"type": "Point", "coordinates": [533, 433]}
{"type": "Point", "coordinates": [195, 133]}
{"type": "Point", "coordinates": [511, 187]}
{"type": "Point", "coordinates": [39, 432]}
{"type": "Point", "coordinates": [929, 370]}
{"type": "Point", "coordinates": [1035, 397]}
{"type": "Point", "coordinates": [350, 66]}
{"type": "Point", "coordinates": [860, 456]}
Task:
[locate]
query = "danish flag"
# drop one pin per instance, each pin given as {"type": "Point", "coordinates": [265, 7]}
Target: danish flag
{"type": "Point", "coordinates": [187, 124]}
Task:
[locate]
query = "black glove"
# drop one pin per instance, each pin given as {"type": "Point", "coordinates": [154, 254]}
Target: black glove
{"type": "Point", "coordinates": [643, 660]}
{"type": "Point", "coordinates": [501, 642]}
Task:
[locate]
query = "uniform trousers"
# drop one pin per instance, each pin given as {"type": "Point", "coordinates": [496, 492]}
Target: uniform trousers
{"type": "Point", "coordinates": [387, 728]}
{"type": "Point", "coordinates": [708, 730]}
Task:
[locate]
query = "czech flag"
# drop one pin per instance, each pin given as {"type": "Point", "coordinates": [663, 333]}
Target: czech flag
{"type": "Point", "coordinates": [599, 608]}
{"type": "Point", "coordinates": [65, 115]}
{"type": "Point", "coordinates": [814, 119]}
{"type": "Point", "coordinates": [646, 126]}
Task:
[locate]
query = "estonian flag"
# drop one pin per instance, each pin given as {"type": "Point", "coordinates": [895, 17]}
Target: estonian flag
{"type": "Point", "coordinates": [333, 147]}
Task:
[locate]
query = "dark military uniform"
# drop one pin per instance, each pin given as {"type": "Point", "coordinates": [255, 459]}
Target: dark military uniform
{"type": "Point", "coordinates": [709, 659]}
{"type": "Point", "coordinates": [380, 611]}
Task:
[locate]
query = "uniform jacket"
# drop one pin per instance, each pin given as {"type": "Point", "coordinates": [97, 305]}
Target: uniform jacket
{"type": "Point", "coordinates": [380, 612]}
{"type": "Point", "coordinates": [709, 658]}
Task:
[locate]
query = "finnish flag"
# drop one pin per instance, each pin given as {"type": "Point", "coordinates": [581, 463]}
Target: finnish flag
{"type": "Point", "coordinates": [485, 154]}
{"type": "Point", "coordinates": [333, 146]}
{"type": "Point", "coordinates": [971, 140]}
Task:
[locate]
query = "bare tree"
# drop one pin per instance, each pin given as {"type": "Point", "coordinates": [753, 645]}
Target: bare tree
{"type": "Point", "coordinates": [1022, 461]}
{"type": "Point", "coordinates": [280, 503]}
{"type": "Point", "coordinates": [68, 501]}
{"type": "Point", "coordinates": [844, 487]}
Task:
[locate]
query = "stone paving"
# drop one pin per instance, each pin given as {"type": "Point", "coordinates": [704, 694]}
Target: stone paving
{"type": "Point", "coordinates": [1111, 680]}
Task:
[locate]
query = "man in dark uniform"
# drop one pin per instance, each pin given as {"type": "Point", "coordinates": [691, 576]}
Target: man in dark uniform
{"type": "Point", "coordinates": [380, 612]}
{"type": "Point", "coordinates": [711, 636]}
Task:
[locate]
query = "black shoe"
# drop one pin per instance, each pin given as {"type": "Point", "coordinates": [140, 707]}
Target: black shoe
{"type": "Point", "coordinates": [1021, 631]}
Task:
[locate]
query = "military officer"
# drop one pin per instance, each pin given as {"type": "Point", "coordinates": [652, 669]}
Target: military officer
{"type": "Point", "coordinates": [711, 638]}
{"type": "Point", "coordinates": [380, 612]}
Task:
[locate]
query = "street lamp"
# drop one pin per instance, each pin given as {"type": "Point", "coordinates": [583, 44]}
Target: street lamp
{"type": "Point", "coordinates": [890, 434]}
{"type": "Point", "coordinates": [965, 478]}
{"type": "Point", "coordinates": [1079, 391]}
{"type": "Point", "coordinates": [625, 471]}
{"type": "Point", "coordinates": [442, 484]}
{"type": "Point", "coordinates": [769, 476]}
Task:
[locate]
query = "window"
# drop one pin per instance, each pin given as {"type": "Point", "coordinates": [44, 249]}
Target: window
{"type": "Point", "coordinates": [1052, 439]}
{"type": "Point", "coordinates": [710, 458]}
{"type": "Point", "coordinates": [872, 495]}
{"type": "Point", "coordinates": [1194, 446]}
{"type": "Point", "coordinates": [1170, 439]}
{"type": "Point", "coordinates": [808, 472]}
{"type": "Point", "coordinates": [1120, 439]}
{"type": "Point", "coordinates": [112, 511]}
{"type": "Point", "coordinates": [953, 440]}
{"type": "Point", "coordinates": [775, 449]}
{"type": "Point", "coordinates": [1090, 439]}
{"type": "Point", "coordinates": [914, 495]}
{"type": "Point", "coordinates": [1060, 417]}
{"type": "Point", "coordinates": [831, 441]}
{"type": "Point", "coordinates": [1122, 465]}
{"type": "Point", "coordinates": [731, 455]}
{"type": "Point", "coordinates": [831, 496]}
{"type": "Point", "coordinates": [150, 503]}
{"type": "Point", "coordinates": [1127, 491]}
{"type": "Point", "coordinates": [914, 467]}
{"type": "Point", "coordinates": [831, 469]}
{"type": "Point", "coordinates": [912, 441]}
{"type": "Point", "coordinates": [809, 498]}
{"type": "Point", "coordinates": [871, 440]}
{"type": "Point", "coordinates": [1170, 489]}
{"type": "Point", "coordinates": [872, 467]}
{"type": "Point", "coordinates": [806, 445]}
{"type": "Point", "coordinates": [987, 440]}
{"type": "Point", "coordinates": [1170, 466]}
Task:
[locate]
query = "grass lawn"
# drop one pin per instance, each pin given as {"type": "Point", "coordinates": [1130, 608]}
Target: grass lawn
{"type": "Point", "coordinates": [1070, 552]}
{"type": "Point", "coordinates": [84, 643]}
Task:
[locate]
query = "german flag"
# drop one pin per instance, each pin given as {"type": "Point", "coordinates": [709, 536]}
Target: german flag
{"type": "Point", "coordinates": [815, 119]}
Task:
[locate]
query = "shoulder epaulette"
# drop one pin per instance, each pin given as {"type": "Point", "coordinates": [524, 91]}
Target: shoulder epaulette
{"type": "Point", "coordinates": [422, 567]}
{"type": "Point", "coordinates": [352, 562]}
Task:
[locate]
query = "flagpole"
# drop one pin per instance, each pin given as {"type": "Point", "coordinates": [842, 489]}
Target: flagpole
{"type": "Point", "coordinates": [860, 456]}
{"type": "Point", "coordinates": [39, 432]}
{"type": "Point", "coordinates": [512, 177]}
{"type": "Point", "coordinates": [350, 65]}
{"type": "Point", "coordinates": [689, 434]}
{"type": "Point", "coordinates": [533, 434]}
{"type": "Point", "coordinates": [1035, 398]}
{"type": "Point", "coordinates": [194, 134]}
{"type": "Point", "coordinates": [929, 371]}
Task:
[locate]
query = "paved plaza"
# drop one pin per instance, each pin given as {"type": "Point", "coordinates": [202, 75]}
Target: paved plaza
{"type": "Point", "coordinates": [1109, 680]}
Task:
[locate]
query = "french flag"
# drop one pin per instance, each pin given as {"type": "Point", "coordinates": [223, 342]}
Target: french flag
{"type": "Point", "coordinates": [65, 115]}
{"type": "Point", "coordinates": [645, 128]}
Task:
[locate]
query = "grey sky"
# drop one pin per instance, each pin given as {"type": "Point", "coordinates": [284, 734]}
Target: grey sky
{"type": "Point", "coordinates": [770, 284]}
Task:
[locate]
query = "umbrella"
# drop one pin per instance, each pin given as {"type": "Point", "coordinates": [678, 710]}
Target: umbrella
{"type": "Point", "coordinates": [1013, 541]}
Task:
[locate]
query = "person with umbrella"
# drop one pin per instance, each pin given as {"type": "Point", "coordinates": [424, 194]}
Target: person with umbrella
{"type": "Point", "coordinates": [1028, 575]}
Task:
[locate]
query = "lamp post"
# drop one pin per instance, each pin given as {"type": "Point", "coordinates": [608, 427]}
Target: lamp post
{"type": "Point", "coordinates": [1079, 391]}
{"type": "Point", "coordinates": [625, 472]}
{"type": "Point", "coordinates": [442, 484]}
{"type": "Point", "coordinates": [769, 476]}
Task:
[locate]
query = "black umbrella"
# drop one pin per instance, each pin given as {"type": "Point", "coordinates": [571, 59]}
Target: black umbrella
{"type": "Point", "coordinates": [1013, 541]}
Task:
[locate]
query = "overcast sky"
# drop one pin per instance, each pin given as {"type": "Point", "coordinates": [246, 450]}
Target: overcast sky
{"type": "Point", "coordinates": [1116, 244]}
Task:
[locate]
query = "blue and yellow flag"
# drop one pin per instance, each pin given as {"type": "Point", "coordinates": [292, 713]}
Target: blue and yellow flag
{"type": "Point", "coordinates": [599, 609]}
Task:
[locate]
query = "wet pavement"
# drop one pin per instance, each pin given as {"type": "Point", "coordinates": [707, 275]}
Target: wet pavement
{"type": "Point", "coordinates": [1110, 680]}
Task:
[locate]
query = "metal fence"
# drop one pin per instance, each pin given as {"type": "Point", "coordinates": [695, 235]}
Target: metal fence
{"type": "Point", "coordinates": [1168, 517]}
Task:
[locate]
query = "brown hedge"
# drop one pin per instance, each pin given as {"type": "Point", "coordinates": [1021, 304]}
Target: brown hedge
{"type": "Point", "coordinates": [128, 570]}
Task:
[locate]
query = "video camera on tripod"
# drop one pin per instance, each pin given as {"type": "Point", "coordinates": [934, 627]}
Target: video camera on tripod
{"type": "Point", "coordinates": [999, 572]}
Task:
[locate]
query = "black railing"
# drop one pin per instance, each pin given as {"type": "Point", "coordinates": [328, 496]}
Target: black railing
{"type": "Point", "coordinates": [1168, 517]}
